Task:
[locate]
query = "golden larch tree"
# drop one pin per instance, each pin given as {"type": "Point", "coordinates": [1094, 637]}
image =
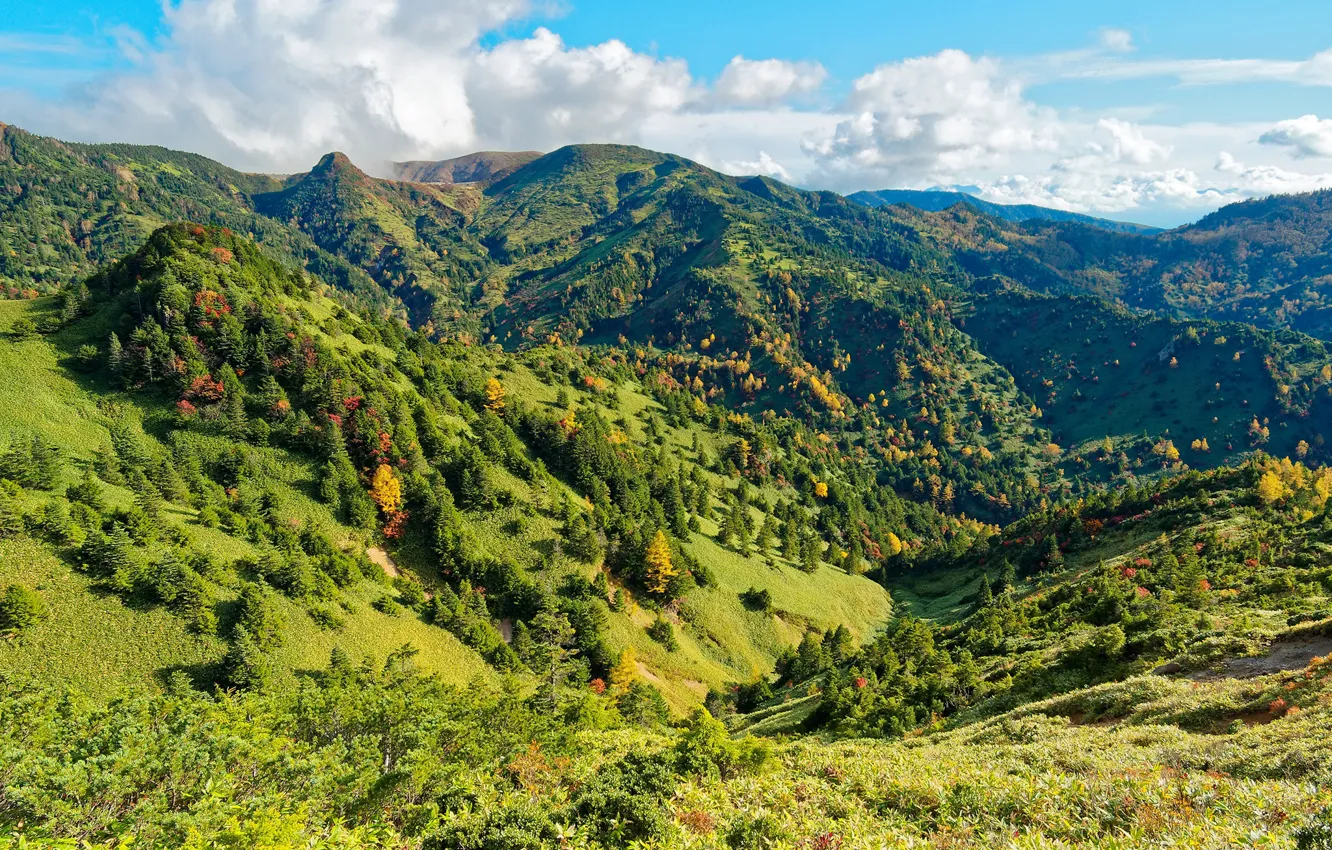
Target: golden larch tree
{"type": "Point", "coordinates": [894, 544]}
{"type": "Point", "coordinates": [494, 395]}
{"type": "Point", "coordinates": [1271, 488]}
{"type": "Point", "coordinates": [625, 672]}
{"type": "Point", "coordinates": [660, 570]}
{"type": "Point", "coordinates": [386, 490]}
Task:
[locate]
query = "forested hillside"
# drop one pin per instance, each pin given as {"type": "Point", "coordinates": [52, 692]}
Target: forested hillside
{"type": "Point", "coordinates": [604, 500]}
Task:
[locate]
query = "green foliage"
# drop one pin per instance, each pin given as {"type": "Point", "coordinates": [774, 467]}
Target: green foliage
{"type": "Point", "coordinates": [20, 608]}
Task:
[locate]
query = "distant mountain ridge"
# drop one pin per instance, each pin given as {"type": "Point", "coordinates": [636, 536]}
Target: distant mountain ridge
{"type": "Point", "coordinates": [937, 200]}
{"type": "Point", "coordinates": [470, 168]}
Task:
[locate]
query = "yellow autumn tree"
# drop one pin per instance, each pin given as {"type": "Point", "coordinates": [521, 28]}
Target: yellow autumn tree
{"type": "Point", "coordinates": [660, 570]}
{"type": "Point", "coordinates": [494, 395]}
{"type": "Point", "coordinates": [386, 489]}
{"type": "Point", "coordinates": [1271, 488]}
{"type": "Point", "coordinates": [894, 544]}
{"type": "Point", "coordinates": [625, 672]}
{"type": "Point", "coordinates": [742, 450]}
{"type": "Point", "coordinates": [821, 489]}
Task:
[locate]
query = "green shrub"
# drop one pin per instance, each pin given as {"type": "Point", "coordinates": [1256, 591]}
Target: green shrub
{"type": "Point", "coordinates": [20, 608]}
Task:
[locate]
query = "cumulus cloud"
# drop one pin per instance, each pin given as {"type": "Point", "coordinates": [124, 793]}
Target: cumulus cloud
{"type": "Point", "coordinates": [764, 165]}
{"type": "Point", "coordinates": [932, 119]}
{"type": "Point", "coordinates": [273, 84]}
{"type": "Point", "coordinates": [766, 82]}
{"type": "Point", "coordinates": [1307, 136]}
{"type": "Point", "coordinates": [537, 92]}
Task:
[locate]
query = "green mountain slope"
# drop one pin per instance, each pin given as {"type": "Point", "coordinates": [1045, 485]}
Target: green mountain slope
{"type": "Point", "coordinates": [246, 430]}
{"type": "Point", "coordinates": [597, 549]}
{"type": "Point", "coordinates": [936, 200]}
{"type": "Point", "coordinates": [67, 208]}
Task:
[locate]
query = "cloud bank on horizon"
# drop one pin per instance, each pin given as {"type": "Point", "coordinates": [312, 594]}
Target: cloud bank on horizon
{"type": "Point", "coordinates": [268, 85]}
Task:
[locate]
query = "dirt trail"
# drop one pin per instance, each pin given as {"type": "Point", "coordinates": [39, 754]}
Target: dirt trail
{"type": "Point", "coordinates": [380, 557]}
{"type": "Point", "coordinates": [1283, 655]}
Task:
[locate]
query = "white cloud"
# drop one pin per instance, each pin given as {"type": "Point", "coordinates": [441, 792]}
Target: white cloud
{"type": "Point", "coordinates": [1307, 135]}
{"type": "Point", "coordinates": [932, 119]}
{"type": "Point", "coordinates": [766, 82]}
{"type": "Point", "coordinates": [1120, 41]}
{"type": "Point", "coordinates": [765, 165]}
{"type": "Point", "coordinates": [1314, 71]}
{"type": "Point", "coordinates": [273, 84]}
{"type": "Point", "coordinates": [538, 93]}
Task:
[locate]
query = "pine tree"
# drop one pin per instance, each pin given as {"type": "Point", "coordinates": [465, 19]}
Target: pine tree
{"type": "Point", "coordinates": [553, 639]}
{"type": "Point", "coordinates": [259, 618]}
{"type": "Point", "coordinates": [11, 520]}
{"type": "Point", "coordinates": [809, 554]}
{"type": "Point", "coordinates": [986, 595]}
{"type": "Point", "coordinates": [790, 538]}
{"type": "Point", "coordinates": [657, 560]}
{"type": "Point", "coordinates": [767, 533]}
{"type": "Point", "coordinates": [246, 664]}
{"type": "Point", "coordinates": [735, 526]}
{"type": "Point", "coordinates": [522, 643]}
{"type": "Point", "coordinates": [115, 356]}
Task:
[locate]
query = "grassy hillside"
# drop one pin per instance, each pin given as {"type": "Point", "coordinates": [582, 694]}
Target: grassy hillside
{"type": "Point", "coordinates": [261, 497]}
{"type": "Point", "coordinates": [597, 550]}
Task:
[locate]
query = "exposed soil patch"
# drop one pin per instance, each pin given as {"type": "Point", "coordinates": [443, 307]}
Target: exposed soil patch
{"type": "Point", "coordinates": [380, 557]}
{"type": "Point", "coordinates": [1256, 718]}
{"type": "Point", "coordinates": [1079, 718]}
{"type": "Point", "coordinates": [1285, 655]}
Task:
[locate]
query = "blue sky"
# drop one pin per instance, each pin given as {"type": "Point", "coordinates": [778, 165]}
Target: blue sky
{"type": "Point", "coordinates": [1150, 110]}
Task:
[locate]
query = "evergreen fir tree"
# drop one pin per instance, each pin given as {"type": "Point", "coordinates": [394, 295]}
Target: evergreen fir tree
{"type": "Point", "coordinates": [246, 665]}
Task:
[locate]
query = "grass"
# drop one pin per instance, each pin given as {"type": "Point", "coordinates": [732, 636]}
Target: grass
{"type": "Point", "coordinates": [93, 641]}
{"type": "Point", "coordinates": [720, 641]}
{"type": "Point", "coordinates": [36, 395]}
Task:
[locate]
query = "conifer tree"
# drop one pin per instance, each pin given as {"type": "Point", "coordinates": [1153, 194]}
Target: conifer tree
{"type": "Point", "coordinates": [259, 618]}
{"type": "Point", "coordinates": [115, 356]}
{"type": "Point", "coordinates": [20, 608]}
{"type": "Point", "coordinates": [246, 664]}
{"type": "Point", "coordinates": [386, 490]}
{"type": "Point", "coordinates": [657, 560]}
{"type": "Point", "coordinates": [11, 520]}
{"type": "Point", "coordinates": [553, 638]}
{"type": "Point", "coordinates": [767, 533]}
{"type": "Point", "coordinates": [809, 554]}
{"type": "Point", "coordinates": [494, 396]}
{"type": "Point", "coordinates": [625, 672]}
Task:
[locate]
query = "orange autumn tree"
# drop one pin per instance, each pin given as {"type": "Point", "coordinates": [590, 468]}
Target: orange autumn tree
{"type": "Point", "coordinates": [660, 570]}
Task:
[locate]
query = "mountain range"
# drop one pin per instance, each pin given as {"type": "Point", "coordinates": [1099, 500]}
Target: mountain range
{"type": "Point", "coordinates": [936, 200]}
{"type": "Point", "coordinates": [595, 497]}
